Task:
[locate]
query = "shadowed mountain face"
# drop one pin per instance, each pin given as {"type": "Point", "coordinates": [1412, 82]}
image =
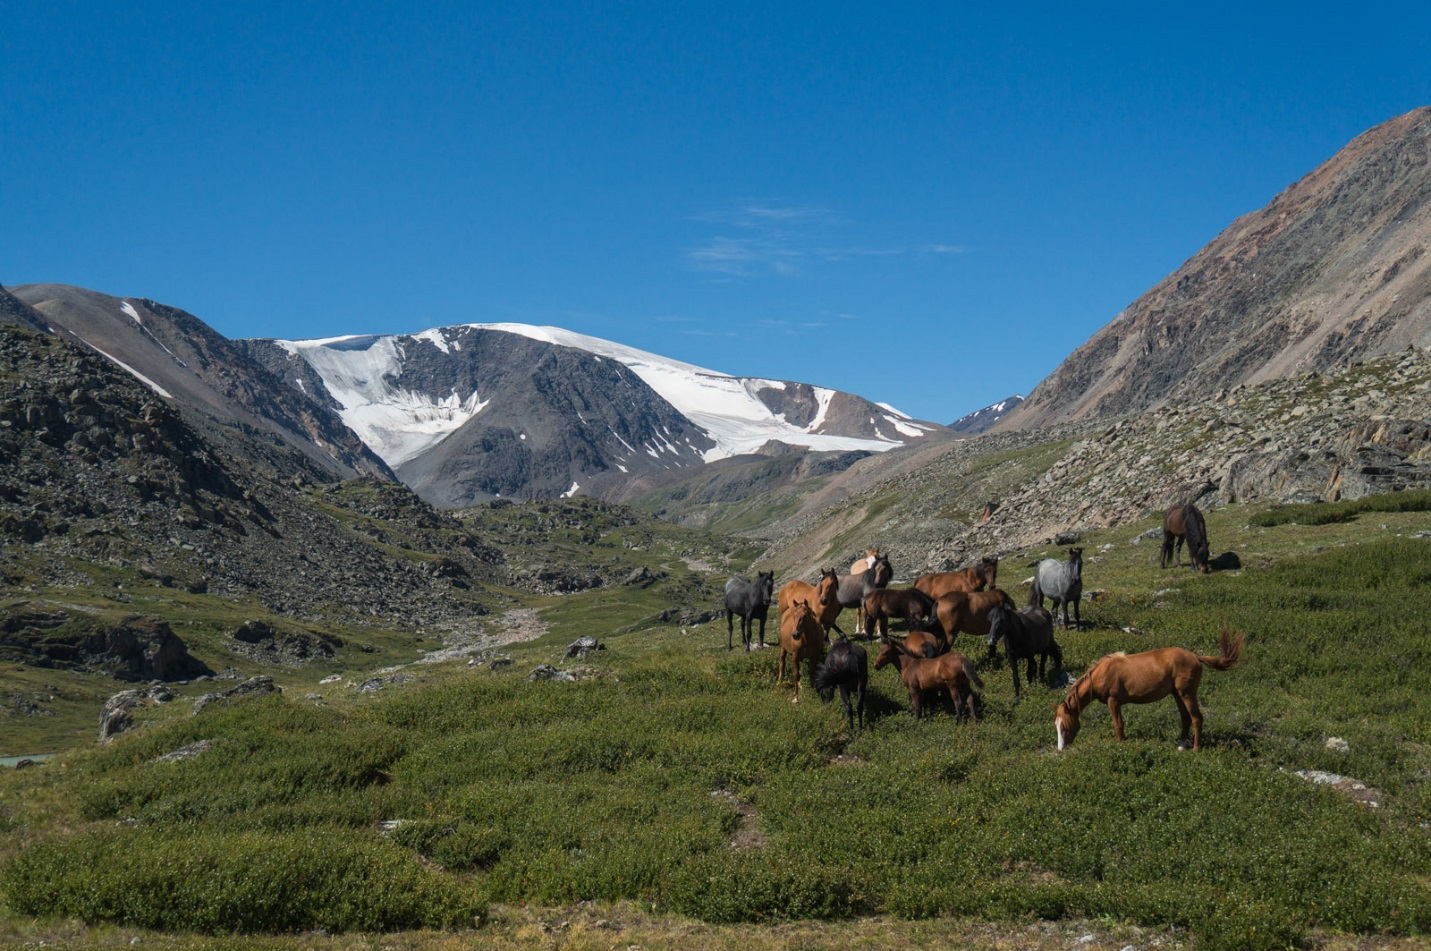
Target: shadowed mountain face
{"type": "Point", "coordinates": [1334, 270]}
{"type": "Point", "coordinates": [180, 357]}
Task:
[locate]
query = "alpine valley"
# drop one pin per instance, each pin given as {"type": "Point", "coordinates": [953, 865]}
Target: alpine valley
{"type": "Point", "coordinates": [425, 632]}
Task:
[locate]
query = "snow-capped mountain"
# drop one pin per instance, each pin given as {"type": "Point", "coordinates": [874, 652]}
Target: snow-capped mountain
{"type": "Point", "coordinates": [467, 412]}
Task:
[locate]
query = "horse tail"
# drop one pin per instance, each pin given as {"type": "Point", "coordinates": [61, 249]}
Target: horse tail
{"type": "Point", "coordinates": [1035, 595]}
{"type": "Point", "coordinates": [970, 672]}
{"type": "Point", "coordinates": [1231, 648]}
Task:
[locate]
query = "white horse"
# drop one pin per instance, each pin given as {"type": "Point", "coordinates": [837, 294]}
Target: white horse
{"type": "Point", "coordinates": [1063, 582]}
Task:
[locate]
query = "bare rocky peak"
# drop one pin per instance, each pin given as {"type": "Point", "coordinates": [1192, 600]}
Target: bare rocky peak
{"type": "Point", "coordinates": [1335, 269]}
{"type": "Point", "coordinates": [183, 359]}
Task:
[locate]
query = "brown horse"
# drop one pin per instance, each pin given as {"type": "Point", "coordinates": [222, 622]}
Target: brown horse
{"type": "Point", "coordinates": [801, 638]}
{"type": "Point", "coordinates": [821, 598]}
{"type": "Point", "coordinates": [925, 643]}
{"type": "Point", "coordinates": [1184, 522]}
{"type": "Point", "coordinates": [909, 603]}
{"type": "Point", "coordinates": [1144, 678]}
{"type": "Point", "coordinates": [974, 578]}
{"type": "Point", "coordinates": [953, 672]}
{"type": "Point", "coordinates": [968, 612]}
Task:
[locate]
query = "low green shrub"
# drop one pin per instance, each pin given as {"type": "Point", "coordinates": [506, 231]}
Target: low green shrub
{"type": "Point", "coordinates": [218, 883]}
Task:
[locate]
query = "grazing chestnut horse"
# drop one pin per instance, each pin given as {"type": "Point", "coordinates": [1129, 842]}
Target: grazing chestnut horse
{"type": "Point", "coordinates": [801, 638]}
{"type": "Point", "coordinates": [974, 578]}
{"type": "Point", "coordinates": [953, 672]}
{"type": "Point", "coordinates": [909, 603]}
{"type": "Point", "coordinates": [821, 597]}
{"type": "Point", "coordinates": [1185, 522]}
{"type": "Point", "coordinates": [967, 612]}
{"type": "Point", "coordinates": [1144, 678]}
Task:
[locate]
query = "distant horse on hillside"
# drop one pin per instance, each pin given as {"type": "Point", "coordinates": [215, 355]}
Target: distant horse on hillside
{"type": "Point", "coordinates": [1144, 678]}
{"type": "Point", "coordinates": [846, 666]}
{"type": "Point", "coordinates": [1027, 634]}
{"type": "Point", "coordinates": [750, 600]}
{"type": "Point", "coordinates": [1185, 522]}
{"type": "Point", "coordinates": [854, 588]}
{"type": "Point", "coordinates": [1063, 582]}
{"type": "Point", "coordinates": [977, 577]}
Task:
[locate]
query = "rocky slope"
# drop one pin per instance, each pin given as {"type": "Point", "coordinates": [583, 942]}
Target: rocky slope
{"type": "Point", "coordinates": [1334, 269]}
{"type": "Point", "coordinates": [107, 484]}
{"type": "Point", "coordinates": [181, 358]}
{"type": "Point", "coordinates": [1327, 436]}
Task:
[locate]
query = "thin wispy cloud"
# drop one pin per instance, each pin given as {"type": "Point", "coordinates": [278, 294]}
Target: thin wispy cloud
{"type": "Point", "coordinates": [765, 239]}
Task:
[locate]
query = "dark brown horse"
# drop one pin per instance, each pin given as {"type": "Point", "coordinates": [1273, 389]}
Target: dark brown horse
{"type": "Point", "coordinates": [974, 578]}
{"type": "Point", "coordinates": [1144, 678]}
{"type": "Point", "coordinates": [820, 596]}
{"type": "Point", "coordinates": [911, 604]}
{"type": "Point", "coordinates": [1184, 522]}
{"type": "Point", "coordinates": [968, 612]}
{"type": "Point", "coordinates": [953, 672]}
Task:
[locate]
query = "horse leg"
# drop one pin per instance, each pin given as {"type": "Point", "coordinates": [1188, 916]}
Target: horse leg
{"type": "Point", "coordinates": [1117, 718]}
{"type": "Point", "coordinates": [1185, 715]}
{"type": "Point", "coordinates": [860, 705]}
{"type": "Point", "coordinates": [762, 632]}
{"type": "Point", "coordinates": [730, 629]}
{"type": "Point", "coordinates": [780, 674]}
{"type": "Point", "coordinates": [1077, 611]}
{"type": "Point", "coordinates": [1178, 561]}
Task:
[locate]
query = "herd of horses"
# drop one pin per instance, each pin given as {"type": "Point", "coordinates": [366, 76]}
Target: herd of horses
{"type": "Point", "coordinates": [941, 605]}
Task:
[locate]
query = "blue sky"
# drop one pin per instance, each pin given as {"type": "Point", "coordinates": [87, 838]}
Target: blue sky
{"type": "Point", "coordinates": [926, 204]}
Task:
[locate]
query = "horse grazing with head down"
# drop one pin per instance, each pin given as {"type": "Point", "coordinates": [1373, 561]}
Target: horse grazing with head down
{"type": "Point", "coordinates": [1061, 581]}
{"type": "Point", "coordinates": [974, 578]}
{"type": "Point", "coordinates": [801, 638]}
{"type": "Point", "coordinates": [751, 600]}
{"type": "Point", "coordinates": [1184, 522]}
{"type": "Point", "coordinates": [846, 667]}
{"type": "Point", "coordinates": [1027, 634]}
{"type": "Point", "coordinates": [820, 596]}
{"type": "Point", "coordinates": [953, 672]}
{"type": "Point", "coordinates": [855, 587]}
{"type": "Point", "coordinates": [1144, 678]}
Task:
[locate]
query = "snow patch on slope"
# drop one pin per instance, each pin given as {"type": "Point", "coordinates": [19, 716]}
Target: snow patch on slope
{"type": "Point", "coordinates": [726, 407]}
{"type": "Point", "coordinates": [396, 423]}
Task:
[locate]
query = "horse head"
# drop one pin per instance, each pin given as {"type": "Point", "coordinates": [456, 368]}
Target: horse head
{"type": "Point", "coordinates": [1065, 724]}
{"type": "Point", "coordinates": [1000, 616]}
{"type": "Point", "coordinates": [765, 584]}
{"type": "Point", "coordinates": [828, 587]}
{"type": "Point", "coordinates": [883, 571]}
{"type": "Point", "coordinates": [888, 654]}
{"type": "Point", "coordinates": [990, 568]}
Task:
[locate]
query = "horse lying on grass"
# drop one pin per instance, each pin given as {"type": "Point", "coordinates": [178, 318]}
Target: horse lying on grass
{"type": "Point", "coordinates": [954, 672]}
{"type": "Point", "coordinates": [1144, 678]}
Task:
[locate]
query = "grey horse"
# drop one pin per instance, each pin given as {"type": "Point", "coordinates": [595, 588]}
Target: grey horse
{"type": "Point", "coordinates": [1061, 581]}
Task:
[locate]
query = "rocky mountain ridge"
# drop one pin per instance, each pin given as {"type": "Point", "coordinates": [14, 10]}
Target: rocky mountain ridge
{"type": "Point", "coordinates": [476, 411]}
{"type": "Point", "coordinates": [1318, 437]}
{"type": "Point", "coordinates": [1333, 270]}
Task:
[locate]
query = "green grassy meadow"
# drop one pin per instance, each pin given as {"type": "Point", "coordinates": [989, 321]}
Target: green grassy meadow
{"type": "Point", "coordinates": [679, 784]}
